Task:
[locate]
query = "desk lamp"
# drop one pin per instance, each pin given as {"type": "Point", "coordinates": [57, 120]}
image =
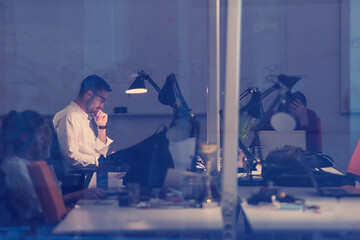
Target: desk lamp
{"type": "Point", "coordinates": [168, 95]}
{"type": "Point", "coordinates": [255, 110]}
{"type": "Point", "coordinates": [254, 107]}
{"type": "Point", "coordinates": [292, 83]}
{"type": "Point", "coordinates": [138, 86]}
{"type": "Point", "coordinates": [183, 117]}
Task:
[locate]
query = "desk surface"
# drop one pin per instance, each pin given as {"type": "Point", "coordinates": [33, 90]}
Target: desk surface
{"type": "Point", "coordinates": [334, 215]}
{"type": "Point", "coordinates": [106, 217]}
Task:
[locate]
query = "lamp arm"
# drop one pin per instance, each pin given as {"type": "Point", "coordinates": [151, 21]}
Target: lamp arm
{"type": "Point", "coordinates": [249, 156]}
{"type": "Point", "coordinates": [268, 113]}
{"type": "Point", "coordinates": [181, 97]}
{"type": "Point", "coordinates": [247, 92]}
{"type": "Point", "coordinates": [194, 125]}
{"type": "Point", "coordinates": [245, 108]}
{"type": "Point", "coordinates": [263, 94]}
{"type": "Point", "coordinates": [263, 121]}
{"type": "Point", "coordinates": [157, 88]}
{"type": "Point", "coordinates": [270, 90]}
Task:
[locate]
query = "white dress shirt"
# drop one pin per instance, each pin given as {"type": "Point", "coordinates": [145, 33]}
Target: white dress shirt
{"type": "Point", "coordinates": [78, 137]}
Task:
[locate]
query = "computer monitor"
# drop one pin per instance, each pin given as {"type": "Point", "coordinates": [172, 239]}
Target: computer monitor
{"type": "Point", "coordinates": [271, 140]}
{"type": "Point", "coordinates": [146, 163]}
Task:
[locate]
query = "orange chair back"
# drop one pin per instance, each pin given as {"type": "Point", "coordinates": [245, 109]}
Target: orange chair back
{"type": "Point", "coordinates": [50, 198]}
{"type": "Point", "coordinates": [354, 166]}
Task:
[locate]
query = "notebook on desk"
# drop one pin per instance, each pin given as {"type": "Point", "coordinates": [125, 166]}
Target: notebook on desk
{"type": "Point", "coordinates": [338, 191]}
{"type": "Point", "coordinates": [345, 191]}
{"type": "Point", "coordinates": [271, 140]}
{"type": "Point", "coordinates": [342, 191]}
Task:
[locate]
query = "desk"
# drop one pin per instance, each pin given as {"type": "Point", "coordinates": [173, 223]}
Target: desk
{"type": "Point", "coordinates": [105, 217]}
{"type": "Point", "coordinates": [257, 173]}
{"type": "Point", "coordinates": [336, 214]}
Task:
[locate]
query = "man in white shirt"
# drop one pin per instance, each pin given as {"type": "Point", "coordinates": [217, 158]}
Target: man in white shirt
{"type": "Point", "coordinates": [81, 126]}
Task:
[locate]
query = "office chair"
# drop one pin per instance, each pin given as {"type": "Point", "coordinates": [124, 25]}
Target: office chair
{"type": "Point", "coordinates": [48, 193]}
{"type": "Point", "coordinates": [354, 166]}
{"type": "Point", "coordinates": [72, 181]}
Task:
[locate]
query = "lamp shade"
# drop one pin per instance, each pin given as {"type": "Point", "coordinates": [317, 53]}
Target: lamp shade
{"type": "Point", "coordinates": [138, 86]}
{"type": "Point", "coordinates": [293, 83]}
{"type": "Point", "coordinates": [254, 107]}
{"type": "Point", "coordinates": [168, 95]}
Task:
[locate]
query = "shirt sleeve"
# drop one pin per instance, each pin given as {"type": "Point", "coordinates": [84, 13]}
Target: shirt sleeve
{"type": "Point", "coordinates": [102, 148]}
{"type": "Point", "coordinates": [68, 135]}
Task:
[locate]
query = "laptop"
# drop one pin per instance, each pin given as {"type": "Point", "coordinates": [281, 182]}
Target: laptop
{"type": "Point", "coordinates": [271, 140]}
{"type": "Point", "coordinates": [343, 191]}
{"type": "Point", "coordinates": [339, 191]}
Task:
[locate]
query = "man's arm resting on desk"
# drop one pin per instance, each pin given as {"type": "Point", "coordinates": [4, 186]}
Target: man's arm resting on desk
{"type": "Point", "coordinates": [75, 158]}
{"type": "Point", "coordinates": [102, 148]}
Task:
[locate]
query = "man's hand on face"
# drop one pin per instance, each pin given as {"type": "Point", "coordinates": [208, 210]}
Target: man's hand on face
{"type": "Point", "coordinates": [100, 118]}
{"type": "Point", "coordinates": [299, 110]}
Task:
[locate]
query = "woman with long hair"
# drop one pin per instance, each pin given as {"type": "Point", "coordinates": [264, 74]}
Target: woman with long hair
{"type": "Point", "coordinates": [26, 137]}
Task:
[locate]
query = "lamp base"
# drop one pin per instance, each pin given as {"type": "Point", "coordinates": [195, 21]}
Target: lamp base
{"type": "Point", "coordinates": [210, 204]}
{"type": "Point", "coordinates": [253, 181]}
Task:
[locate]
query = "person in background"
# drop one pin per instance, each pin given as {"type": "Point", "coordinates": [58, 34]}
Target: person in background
{"type": "Point", "coordinates": [306, 119]}
{"type": "Point", "coordinates": [26, 137]}
{"type": "Point", "coordinates": [6, 210]}
{"type": "Point", "coordinates": [81, 126]}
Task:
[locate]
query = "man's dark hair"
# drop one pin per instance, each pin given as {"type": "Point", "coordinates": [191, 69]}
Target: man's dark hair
{"type": "Point", "coordinates": [95, 84]}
